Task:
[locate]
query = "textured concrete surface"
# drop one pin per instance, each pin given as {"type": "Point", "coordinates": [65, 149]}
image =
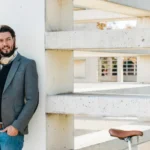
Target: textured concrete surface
{"type": "Point", "coordinates": [103, 105]}
{"type": "Point", "coordinates": [120, 39]}
{"type": "Point", "coordinates": [100, 105]}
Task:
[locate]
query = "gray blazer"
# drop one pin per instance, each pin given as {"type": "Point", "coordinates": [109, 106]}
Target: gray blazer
{"type": "Point", "coordinates": [20, 95]}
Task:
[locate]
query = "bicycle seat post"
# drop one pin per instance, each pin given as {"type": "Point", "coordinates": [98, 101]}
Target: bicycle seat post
{"type": "Point", "coordinates": [128, 139]}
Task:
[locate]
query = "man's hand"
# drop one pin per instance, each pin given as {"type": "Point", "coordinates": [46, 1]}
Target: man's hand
{"type": "Point", "coordinates": [11, 131]}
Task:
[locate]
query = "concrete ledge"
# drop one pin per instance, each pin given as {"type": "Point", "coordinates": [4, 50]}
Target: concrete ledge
{"type": "Point", "coordinates": [99, 40]}
{"type": "Point", "coordinates": [88, 16]}
{"type": "Point", "coordinates": [118, 7]}
{"type": "Point", "coordinates": [103, 141]}
{"type": "Point", "coordinates": [100, 105]}
{"type": "Point", "coordinates": [140, 4]}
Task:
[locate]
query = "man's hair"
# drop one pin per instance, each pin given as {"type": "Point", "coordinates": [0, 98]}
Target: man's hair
{"type": "Point", "coordinates": [5, 28]}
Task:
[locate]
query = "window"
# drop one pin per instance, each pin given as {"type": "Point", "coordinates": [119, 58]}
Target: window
{"type": "Point", "coordinates": [130, 66]}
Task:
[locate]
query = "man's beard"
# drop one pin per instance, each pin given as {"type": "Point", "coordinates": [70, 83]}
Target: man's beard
{"type": "Point", "coordinates": [8, 54]}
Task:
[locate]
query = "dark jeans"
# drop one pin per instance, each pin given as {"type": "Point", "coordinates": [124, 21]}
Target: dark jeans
{"type": "Point", "coordinates": [11, 142]}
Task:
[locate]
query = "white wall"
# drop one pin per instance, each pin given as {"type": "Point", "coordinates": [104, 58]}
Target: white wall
{"type": "Point", "coordinates": [130, 78]}
{"type": "Point", "coordinates": [27, 19]}
{"type": "Point", "coordinates": [79, 68]}
{"type": "Point", "coordinates": [91, 70]}
{"type": "Point", "coordinates": [143, 69]}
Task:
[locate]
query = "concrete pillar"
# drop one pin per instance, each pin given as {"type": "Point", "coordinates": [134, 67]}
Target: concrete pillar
{"type": "Point", "coordinates": [61, 131]}
{"type": "Point", "coordinates": [110, 67]}
{"type": "Point", "coordinates": [59, 15]}
{"type": "Point", "coordinates": [99, 69]}
{"type": "Point", "coordinates": [59, 67]}
{"type": "Point", "coordinates": [143, 61]}
{"type": "Point", "coordinates": [120, 69]}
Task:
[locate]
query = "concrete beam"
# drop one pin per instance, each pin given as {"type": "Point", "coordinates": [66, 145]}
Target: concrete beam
{"type": "Point", "coordinates": [112, 7]}
{"type": "Point", "coordinates": [140, 4]}
{"type": "Point", "coordinates": [103, 141]}
{"type": "Point", "coordinates": [99, 40]}
{"type": "Point", "coordinates": [100, 105]}
{"type": "Point", "coordinates": [82, 54]}
{"type": "Point", "coordinates": [132, 51]}
{"type": "Point", "coordinates": [89, 16]}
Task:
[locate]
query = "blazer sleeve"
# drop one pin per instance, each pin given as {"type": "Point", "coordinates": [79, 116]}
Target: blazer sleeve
{"type": "Point", "coordinates": [31, 96]}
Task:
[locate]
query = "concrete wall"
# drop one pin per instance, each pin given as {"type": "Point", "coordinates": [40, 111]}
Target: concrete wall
{"type": "Point", "coordinates": [79, 68]}
{"type": "Point", "coordinates": [91, 70]}
{"type": "Point", "coordinates": [27, 19]}
{"type": "Point", "coordinates": [130, 78]}
{"type": "Point", "coordinates": [143, 69]}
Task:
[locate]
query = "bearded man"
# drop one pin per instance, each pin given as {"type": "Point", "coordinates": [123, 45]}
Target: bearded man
{"type": "Point", "coordinates": [19, 95]}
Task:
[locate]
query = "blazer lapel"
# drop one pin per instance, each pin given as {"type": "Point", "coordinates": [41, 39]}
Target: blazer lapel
{"type": "Point", "coordinates": [12, 71]}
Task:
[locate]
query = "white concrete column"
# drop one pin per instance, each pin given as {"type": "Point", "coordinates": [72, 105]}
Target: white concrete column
{"type": "Point", "coordinates": [120, 69]}
{"type": "Point", "coordinates": [60, 128]}
{"type": "Point", "coordinates": [110, 67]}
{"type": "Point", "coordinates": [99, 69]}
{"type": "Point", "coordinates": [59, 15]}
{"type": "Point", "coordinates": [60, 132]}
{"type": "Point", "coordinates": [143, 61]}
{"type": "Point", "coordinates": [59, 78]}
{"type": "Point", "coordinates": [59, 70]}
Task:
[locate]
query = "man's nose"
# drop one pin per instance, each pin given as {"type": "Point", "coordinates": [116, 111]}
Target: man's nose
{"type": "Point", "coordinates": [5, 43]}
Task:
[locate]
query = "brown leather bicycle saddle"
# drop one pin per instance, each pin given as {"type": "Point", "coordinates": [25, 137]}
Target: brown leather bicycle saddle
{"type": "Point", "coordinates": [121, 134]}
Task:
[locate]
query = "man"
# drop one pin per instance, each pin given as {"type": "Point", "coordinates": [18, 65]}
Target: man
{"type": "Point", "coordinates": [18, 91]}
